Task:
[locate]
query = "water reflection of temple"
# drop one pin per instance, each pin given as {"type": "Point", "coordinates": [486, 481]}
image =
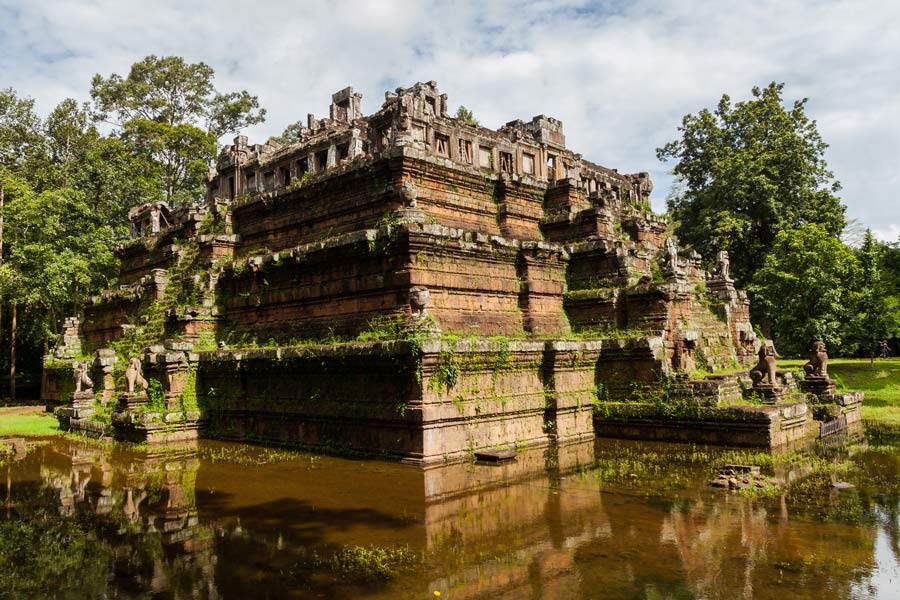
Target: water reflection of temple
{"type": "Point", "coordinates": [148, 498]}
{"type": "Point", "coordinates": [549, 525]}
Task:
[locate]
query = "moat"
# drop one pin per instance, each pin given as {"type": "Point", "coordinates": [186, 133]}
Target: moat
{"type": "Point", "coordinates": [599, 519]}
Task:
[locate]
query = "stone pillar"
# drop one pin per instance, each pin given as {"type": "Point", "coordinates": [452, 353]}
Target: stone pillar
{"type": "Point", "coordinates": [356, 145]}
{"type": "Point", "coordinates": [104, 362]}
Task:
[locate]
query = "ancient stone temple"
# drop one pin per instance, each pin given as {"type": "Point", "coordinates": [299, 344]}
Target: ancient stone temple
{"type": "Point", "coordinates": [406, 282]}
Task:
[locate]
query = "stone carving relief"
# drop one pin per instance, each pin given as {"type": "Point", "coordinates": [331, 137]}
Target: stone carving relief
{"type": "Point", "coordinates": [419, 296]}
{"type": "Point", "coordinates": [408, 193]}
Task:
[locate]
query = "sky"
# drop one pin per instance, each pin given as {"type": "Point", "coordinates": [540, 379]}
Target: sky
{"type": "Point", "coordinates": [619, 75]}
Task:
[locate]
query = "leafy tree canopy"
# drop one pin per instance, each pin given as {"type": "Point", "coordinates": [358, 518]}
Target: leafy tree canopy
{"type": "Point", "coordinates": [19, 129]}
{"type": "Point", "coordinates": [808, 287]}
{"type": "Point", "coordinates": [290, 135]}
{"type": "Point", "coordinates": [747, 172]}
{"type": "Point", "coordinates": [466, 115]}
{"type": "Point", "coordinates": [171, 116]}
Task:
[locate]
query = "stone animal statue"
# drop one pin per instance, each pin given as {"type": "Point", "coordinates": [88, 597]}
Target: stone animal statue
{"type": "Point", "coordinates": [408, 193]}
{"type": "Point", "coordinates": [818, 364]}
{"type": "Point", "coordinates": [722, 265]}
{"type": "Point", "coordinates": [672, 254]}
{"type": "Point", "coordinates": [419, 297]}
{"type": "Point", "coordinates": [82, 381]}
{"type": "Point", "coordinates": [134, 375]}
{"type": "Point", "coordinates": [765, 368]}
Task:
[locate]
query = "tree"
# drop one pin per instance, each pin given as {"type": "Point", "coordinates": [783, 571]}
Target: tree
{"type": "Point", "coordinates": [171, 115]}
{"type": "Point", "coordinates": [877, 312]}
{"type": "Point", "coordinates": [466, 115]}
{"type": "Point", "coordinates": [750, 171]}
{"type": "Point", "coordinates": [806, 286]}
{"type": "Point", "coordinates": [60, 252]}
{"type": "Point", "coordinates": [19, 129]}
{"type": "Point", "coordinates": [290, 135]}
{"type": "Point", "coordinates": [19, 135]}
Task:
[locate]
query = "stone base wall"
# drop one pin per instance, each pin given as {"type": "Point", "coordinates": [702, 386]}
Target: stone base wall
{"type": "Point", "coordinates": [477, 284]}
{"type": "Point", "coordinates": [751, 426]}
{"type": "Point", "coordinates": [103, 322]}
{"type": "Point", "coordinates": [630, 367]}
{"type": "Point", "coordinates": [426, 403]}
{"type": "Point", "coordinates": [342, 201]}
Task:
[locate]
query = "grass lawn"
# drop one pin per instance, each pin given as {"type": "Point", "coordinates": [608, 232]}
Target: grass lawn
{"type": "Point", "coordinates": [880, 381]}
{"type": "Point", "coordinates": [30, 421]}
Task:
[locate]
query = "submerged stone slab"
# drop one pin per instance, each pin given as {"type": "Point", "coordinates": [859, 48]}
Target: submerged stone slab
{"type": "Point", "coordinates": [495, 455]}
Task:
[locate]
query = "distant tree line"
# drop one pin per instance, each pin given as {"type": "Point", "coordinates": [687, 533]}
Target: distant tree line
{"type": "Point", "coordinates": [66, 185]}
{"type": "Point", "coordinates": [752, 179]}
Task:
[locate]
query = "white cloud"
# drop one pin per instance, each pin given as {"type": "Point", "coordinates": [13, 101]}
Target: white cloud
{"type": "Point", "coordinates": [620, 75]}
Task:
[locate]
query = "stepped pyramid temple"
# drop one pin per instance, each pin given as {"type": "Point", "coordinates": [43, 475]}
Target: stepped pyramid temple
{"type": "Point", "coordinates": [414, 285]}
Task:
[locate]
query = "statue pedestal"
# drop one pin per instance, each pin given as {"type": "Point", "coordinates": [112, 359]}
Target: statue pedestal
{"type": "Point", "coordinates": [409, 214]}
{"type": "Point", "coordinates": [80, 409]}
{"type": "Point", "coordinates": [823, 387]}
{"type": "Point", "coordinates": [83, 404]}
{"type": "Point", "coordinates": [771, 394]}
{"type": "Point", "coordinates": [132, 401]}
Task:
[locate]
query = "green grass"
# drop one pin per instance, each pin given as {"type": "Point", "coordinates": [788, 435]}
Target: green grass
{"type": "Point", "coordinates": [28, 424]}
{"type": "Point", "coordinates": [879, 380]}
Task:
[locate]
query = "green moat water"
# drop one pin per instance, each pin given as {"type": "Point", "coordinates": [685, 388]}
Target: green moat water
{"type": "Point", "coordinates": [604, 520]}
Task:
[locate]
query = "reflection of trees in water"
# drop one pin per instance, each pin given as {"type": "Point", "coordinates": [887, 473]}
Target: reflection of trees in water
{"type": "Point", "coordinates": [135, 515]}
{"type": "Point", "coordinates": [700, 542]}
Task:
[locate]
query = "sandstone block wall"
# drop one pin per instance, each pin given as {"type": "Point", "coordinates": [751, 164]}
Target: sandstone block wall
{"type": "Point", "coordinates": [428, 403]}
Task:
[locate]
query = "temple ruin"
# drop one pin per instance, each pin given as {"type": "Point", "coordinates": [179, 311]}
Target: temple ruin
{"type": "Point", "coordinates": [413, 284]}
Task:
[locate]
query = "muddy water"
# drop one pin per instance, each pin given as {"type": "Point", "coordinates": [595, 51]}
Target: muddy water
{"type": "Point", "coordinates": [598, 520]}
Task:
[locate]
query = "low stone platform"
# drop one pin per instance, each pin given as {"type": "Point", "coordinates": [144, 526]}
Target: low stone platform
{"type": "Point", "coordinates": [423, 402]}
{"type": "Point", "coordinates": [155, 427]}
{"type": "Point", "coordinates": [753, 426]}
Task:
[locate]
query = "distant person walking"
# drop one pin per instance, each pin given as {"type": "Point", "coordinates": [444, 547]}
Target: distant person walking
{"type": "Point", "coordinates": [885, 349]}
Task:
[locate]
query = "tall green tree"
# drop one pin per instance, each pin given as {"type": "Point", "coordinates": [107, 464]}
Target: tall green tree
{"type": "Point", "coordinates": [808, 286]}
{"type": "Point", "coordinates": [19, 137]}
{"type": "Point", "coordinates": [747, 172]}
{"type": "Point", "coordinates": [877, 314]}
{"type": "Point", "coordinates": [169, 112]}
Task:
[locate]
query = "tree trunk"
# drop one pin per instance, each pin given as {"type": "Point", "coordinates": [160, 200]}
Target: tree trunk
{"type": "Point", "coordinates": [12, 355]}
